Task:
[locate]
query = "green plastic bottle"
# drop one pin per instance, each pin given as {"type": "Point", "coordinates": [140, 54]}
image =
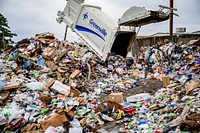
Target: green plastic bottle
{"type": "Point", "coordinates": [44, 112]}
{"type": "Point", "coordinates": [137, 106]}
{"type": "Point", "coordinates": [95, 117]}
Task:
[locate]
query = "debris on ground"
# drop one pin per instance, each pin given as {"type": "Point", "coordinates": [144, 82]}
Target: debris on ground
{"type": "Point", "coordinates": [47, 85]}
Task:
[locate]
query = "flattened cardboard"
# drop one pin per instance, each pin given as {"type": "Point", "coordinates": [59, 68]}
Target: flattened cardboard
{"type": "Point", "coordinates": [28, 128]}
{"type": "Point", "coordinates": [50, 64]}
{"type": "Point", "coordinates": [12, 86]}
{"type": "Point", "coordinates": [83, 122]}
{"type": "Point", "coordinates": [62, 80]}
{"type": "Point", "coordinates": [45, 99]}
{"type": "Point", "coordinates": [71, 113]}
{"type": "Point", "coordinates": [55, 120]}
{"type": "Point", "coordinates": [74, 92]}
{"type": "Point", "coordinates": [191, 86]}
{"type": "Point", "coordinates": [61, 55]}
{"type": "Point", "coordinates": [82, 100]}
{"type": "Point", "coordinates": [62, 70]}
{"type": "Point", "coordinates": [75, 73]}
{"type": "Point", "coordinates": [4, 95]}
{"type": "Point", "coordinates": [49, 53]}
{"type": "Point", "coordinates": [49, 84]}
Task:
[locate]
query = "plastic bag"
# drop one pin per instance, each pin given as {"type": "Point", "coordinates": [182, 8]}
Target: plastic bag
{"type": "Point", "coordinates": [12, 111]}
{"type": "Point", "coordinates": [183, 79]}
{"type": "Point", "coordinates": [76, 126]}
{"type": "Point", "coordinates": [2, 119]}
{"type": "Point", "coordinates": [35, 85]}
{"type": "Point", "coordinates": [55, 130]}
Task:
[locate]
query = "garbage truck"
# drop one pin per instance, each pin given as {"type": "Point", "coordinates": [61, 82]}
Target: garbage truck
{"type": "Point", "coordinates": [101, 33]}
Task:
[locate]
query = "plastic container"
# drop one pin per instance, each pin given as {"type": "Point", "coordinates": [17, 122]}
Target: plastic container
{"type": "Point", "coordinates": [138, 97]}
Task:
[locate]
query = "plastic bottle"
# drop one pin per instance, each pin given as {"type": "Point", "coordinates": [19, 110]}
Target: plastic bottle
{"type": "Point", "coordinates": [44, 112]}
{"type": "Point", "coordinates": [137, 106]}
{"type": "Point", "coordinates": [26, 116]}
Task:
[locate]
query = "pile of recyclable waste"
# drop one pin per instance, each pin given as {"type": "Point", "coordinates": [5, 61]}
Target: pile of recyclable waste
{"type": "Point", "coordinates": [53, 86]}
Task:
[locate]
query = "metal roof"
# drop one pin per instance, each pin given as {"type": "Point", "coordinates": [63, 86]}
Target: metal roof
{"type": "Point", "coordinates": [165, 34]}
{"type": "Point", "coordinates": [196, 32]}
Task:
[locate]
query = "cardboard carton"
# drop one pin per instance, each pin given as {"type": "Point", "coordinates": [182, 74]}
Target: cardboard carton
{"type": "Point", "coordinates": [74, 74]}
{"type": "Point", "coordinates": [12, 86]}
{"type": "Point", "coordinates": [166, 81]}
{"type": "Point", "coordinates": [55, 120]}
{"type": "Point", "coordinates": [117, 97]}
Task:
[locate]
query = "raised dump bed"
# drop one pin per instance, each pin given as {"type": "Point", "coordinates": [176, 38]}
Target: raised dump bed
{"type": "Point", "coordinates": [100, 32]}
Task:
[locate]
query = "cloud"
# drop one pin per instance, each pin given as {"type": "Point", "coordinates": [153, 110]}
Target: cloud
{"type": "Point", "coordinates": [28, 17]}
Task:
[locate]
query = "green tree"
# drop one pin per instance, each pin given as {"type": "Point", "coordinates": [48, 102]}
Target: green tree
{"type": "Point", "coordinates": [5, 33]}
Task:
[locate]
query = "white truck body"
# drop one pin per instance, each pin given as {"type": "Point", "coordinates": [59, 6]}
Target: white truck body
{"type": "Point", "coordinates": [101, 33]}
{"type": "Point", "coordinates": [96, 31]}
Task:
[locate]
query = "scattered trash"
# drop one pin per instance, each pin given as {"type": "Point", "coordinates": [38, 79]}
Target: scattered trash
{"type": "Point", "coordinates": [51, 88]}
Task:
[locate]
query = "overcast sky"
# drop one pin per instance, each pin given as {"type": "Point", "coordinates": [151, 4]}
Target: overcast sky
{"type": "Point", "coordinates": [28, 17]}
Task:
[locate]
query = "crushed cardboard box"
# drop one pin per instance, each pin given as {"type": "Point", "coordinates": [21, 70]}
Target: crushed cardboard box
{"type": "Point", "coordinates": [117, 97]}
{"type": "Point", "coordinates": [55, 120]}
{"type": "Point", "coordinates": [12, 86]}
